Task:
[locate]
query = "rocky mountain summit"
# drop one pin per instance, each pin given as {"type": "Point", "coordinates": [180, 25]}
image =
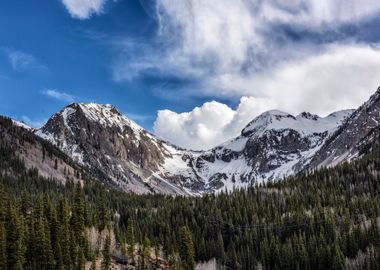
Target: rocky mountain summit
{"type": "Point", "coordinates": [112, 146]}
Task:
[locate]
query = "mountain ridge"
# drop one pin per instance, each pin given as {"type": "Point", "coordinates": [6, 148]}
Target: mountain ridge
{"type": "Point", "coordinates": [272, 146]}
{"type": "Point", "coordinates": [121, 152]}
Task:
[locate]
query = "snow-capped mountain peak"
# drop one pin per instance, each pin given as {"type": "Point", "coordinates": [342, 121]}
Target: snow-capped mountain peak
{"type": "Point", "coordinates": [107, 115]}
{"type": "Point", "coordinates": [114, 147]}
{"type": "Point", "coordinates": [304, 123]}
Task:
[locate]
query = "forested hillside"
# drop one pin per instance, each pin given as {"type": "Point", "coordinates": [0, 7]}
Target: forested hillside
{"type": "Point", "coordinates": [323, 220]}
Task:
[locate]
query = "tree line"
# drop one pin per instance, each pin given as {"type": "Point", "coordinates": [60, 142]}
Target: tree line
{"type": "Point", "coordinates": [328, 219]}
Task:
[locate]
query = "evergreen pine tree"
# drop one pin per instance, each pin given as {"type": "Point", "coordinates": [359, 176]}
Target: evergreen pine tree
{"type": "Point", "coordinates": [3, 233]}
{"type": "Point", "coordinates": [146, 247]}
{"type": "Point", "coordinates": [338, 259]}
{"type": "Point", "coordinates": [107, 253]}
{"type": "Point", "coordinates": [156, 251]}
{"type": "Point", "coordinates": [103, 215]}
{"type": "Point", "coordinates": [81, 260]}
{"type": "Point", "coordinates": [131, 240]}
{"type": "Point", "coordinates": [187, 249]}
{"type": "Point", "coordinates": [15, 245]}
{"type": "Point", "coordinates": [64, 231]}
{"type": "Point", "coordinates": [3, 246]}
{"type": "Point", "coordinates": [93, 262]}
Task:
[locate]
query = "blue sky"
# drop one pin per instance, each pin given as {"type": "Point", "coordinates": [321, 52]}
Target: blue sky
{"type": "Point", "coordinates": [51, 50]}
{"type": "Point", "coordinates": [194, 72]}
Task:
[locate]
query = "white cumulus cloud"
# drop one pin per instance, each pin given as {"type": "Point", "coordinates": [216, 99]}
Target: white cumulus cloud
{"type": "Point", "coordinates": [83, 9]}
{"type": "Point", "coordinates": [209, 125]}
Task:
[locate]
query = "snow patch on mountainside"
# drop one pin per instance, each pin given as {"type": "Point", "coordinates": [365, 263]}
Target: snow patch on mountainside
{"type": "Point", "coordinates": [46, 136]}
{"type": "Point", "coordinates": [21, 124]}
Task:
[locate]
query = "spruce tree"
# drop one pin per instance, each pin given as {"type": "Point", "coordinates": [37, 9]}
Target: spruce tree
{"type": "Point", "coordinates": [15, 245]}
{"type": "Point", "coordinates": [156, 251]}
{"type": "Point", "coordinates": [93, 262]}
{"type": "Point", "coordinates": [338, 259]}
{"type": "Point", "coordinates": [146, 247]}
{"type": "Point", "coordinates": [78, 224]}
{"type": "Point", "coordinates": [3, 246]}
{"type": "Point", "coordinates": [131, 240]}
{"type": "Point", "coordinates": [81, 260]}
{"type": "Point", "coordinates": [103, 215]}
{"type": "Point", "coordinates": [3, 233]}
{"type": "Point", "coordinates": [187, 253]}
{"type": "Point", "coordinates": [107, 253]}
{"type": "Point", "coordinates": [64, 231]}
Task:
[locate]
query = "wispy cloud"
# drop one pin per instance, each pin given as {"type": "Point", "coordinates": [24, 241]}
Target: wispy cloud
{"type": "Point", "coordinates": [58, 95]}
{"type": "Point", "coordinates": [139, 117]}
{"type": "Point", "coordinates": [33, 122]}
{"type": "Point", "coordinates": [201, 39]}
{"type": "Point", "coordinates": [84, 9]}
{"type": "Point", "coordinates": [22, 61]}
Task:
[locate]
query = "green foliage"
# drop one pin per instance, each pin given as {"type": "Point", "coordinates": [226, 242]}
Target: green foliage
{"type": "Point", "coordinates": [93, 263]}
{"type": "Point", "coordinates": [187, 249]}
{"type": "Point", "coordinates": [107, 253]}
{"type": "Point", "coordinates": [338, 260]}
{"type": "Point", "coordinates": [131, 240]}
{"type": "Point", "coordinates": [146, 247]}
{"type": "Point", "coordinates": [310, 221]}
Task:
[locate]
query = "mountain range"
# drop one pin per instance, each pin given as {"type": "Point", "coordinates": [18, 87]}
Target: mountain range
{"type": "Point", "coordinates": [115, 150]}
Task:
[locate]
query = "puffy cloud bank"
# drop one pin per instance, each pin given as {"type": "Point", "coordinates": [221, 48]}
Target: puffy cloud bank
{"type": "Point", "coordinates": [208, 125]}
{"type": "Point", "coordinates": [341, 78]}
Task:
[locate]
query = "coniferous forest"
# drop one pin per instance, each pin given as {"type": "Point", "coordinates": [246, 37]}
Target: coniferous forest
{"type": "Point", "coordinates": [327, 219]}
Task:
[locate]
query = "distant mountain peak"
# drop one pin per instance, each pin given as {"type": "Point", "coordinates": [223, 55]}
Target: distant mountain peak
{"type": "Point", "coordinates": [265, 121]}
{"type": "Point", "coordinates": [304, 123]}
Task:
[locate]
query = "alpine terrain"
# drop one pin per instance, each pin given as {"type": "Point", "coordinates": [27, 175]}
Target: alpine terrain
{"type": "Point", "coordinates": [272, 146]}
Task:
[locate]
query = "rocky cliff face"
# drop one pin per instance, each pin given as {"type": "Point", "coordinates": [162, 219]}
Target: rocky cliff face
{"type": "Point", "coordinates": [346, 142]}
